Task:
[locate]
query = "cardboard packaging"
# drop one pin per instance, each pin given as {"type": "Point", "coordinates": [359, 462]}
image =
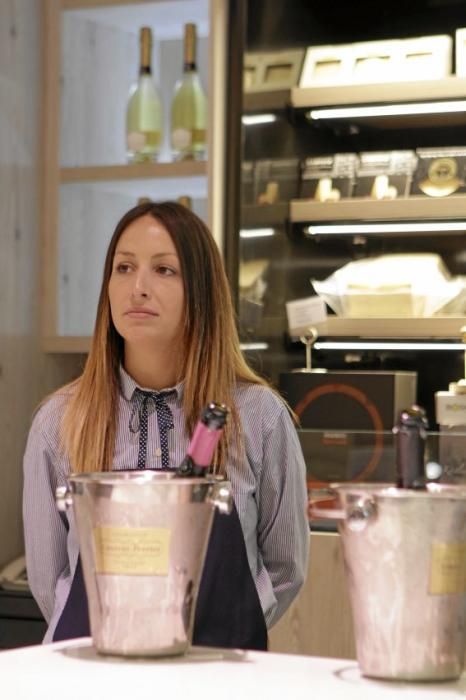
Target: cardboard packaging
{"type": "Point", "coordinates": [385, 174]}
{"type": "Point", "coordinates": [328, 177]}
{"type": "Point", "coordinates": [450, 413]}
{"type": "Point", "coordinates": [272, 70]}
{"type": "Point", "coordinates": [440, 172]}
{"type": "Point", "coordinates": [392, 60]}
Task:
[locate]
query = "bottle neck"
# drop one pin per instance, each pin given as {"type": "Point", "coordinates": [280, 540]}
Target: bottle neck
{"type": "Point", "coordinates": [189, 53]}
{"type": "Point", "coordinates": [145, 50]}
{"type": "Point", "coordinates": [203, 444]}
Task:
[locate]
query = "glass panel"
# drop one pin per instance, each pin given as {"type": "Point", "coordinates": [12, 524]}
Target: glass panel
{"type": "Point", "coordinates": [366, 456]}
{"type": "Point", "coordinates": [363, 455]}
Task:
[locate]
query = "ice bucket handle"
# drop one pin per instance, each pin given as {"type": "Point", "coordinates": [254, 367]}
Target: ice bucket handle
{"type": "Point", "coordinates": [221, 497]}
{"type": "Point", "coordinates": [318, 499]}
{"type": "Point", "coordinates": [63, 498]}
{"type": "Point", "coordinates": [357, 514]}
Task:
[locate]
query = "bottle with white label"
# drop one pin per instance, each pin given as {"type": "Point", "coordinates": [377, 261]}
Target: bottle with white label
{"type": "Point", "coordinates": [189, 106]}
{"type": "Point", "coordinates": [144, 111]}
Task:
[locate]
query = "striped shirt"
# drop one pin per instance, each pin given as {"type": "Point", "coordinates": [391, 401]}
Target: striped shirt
{"type": "Point", "coordinates": [268, 485]}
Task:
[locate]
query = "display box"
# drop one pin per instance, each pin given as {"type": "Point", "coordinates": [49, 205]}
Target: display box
{"type": "Point", "coordinates": [450, 414]}
{"type": "Point", "coordinates": [385, 174]}
{"type": "Point", "coordinates": [328, 177]}
{"type": "Point", "coordinates": [460, 52]}
{"type": "Point", "coordinates": [419, 58]}
{"type": "Point", "coordinates": [276, 180]}
{"type": "Point", "coordinates": [341, 409]}
{"type": "Point", "coordinates": [440, 172]}
{"type": "Point", "coordinates": [272, 70]}
{"type": "Point", "coordinates": [450, 409]}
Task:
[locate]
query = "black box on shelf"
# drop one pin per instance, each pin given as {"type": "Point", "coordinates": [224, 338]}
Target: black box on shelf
{"type": "Point", "coordinates": [385, 174]}
{"type": "Point", "coordinates": [328, 177]}
{"type": "Point", "coordinates": [343, 416]}
{"type": "Point", "coordinates": [440, 171]}
{"type": "Point", "coordinates": [276, 180]}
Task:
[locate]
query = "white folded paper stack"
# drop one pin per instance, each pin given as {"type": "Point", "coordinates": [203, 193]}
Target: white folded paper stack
{"type": "Point", "coordinates": [396, 286]}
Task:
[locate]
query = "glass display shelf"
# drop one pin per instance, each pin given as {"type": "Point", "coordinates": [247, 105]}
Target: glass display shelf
{"type": "Point", "coordinates": [363, 455]}
{"type": "Point", "coordinates": [359, 456]}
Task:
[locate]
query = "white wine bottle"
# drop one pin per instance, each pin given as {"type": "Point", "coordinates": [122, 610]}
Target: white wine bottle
{"type": "Point", "coordinates": [186, 201]}
{"type": "Point", "coordinates": [144, 111]}
{"type": "Point", "coordinates": [189, 106]}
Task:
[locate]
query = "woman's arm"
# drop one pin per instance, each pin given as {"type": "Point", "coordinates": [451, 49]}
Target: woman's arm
{"type": "Point", "coordinates": [45, 528]}
{"type": "Point", "coordinates": [283, 526]}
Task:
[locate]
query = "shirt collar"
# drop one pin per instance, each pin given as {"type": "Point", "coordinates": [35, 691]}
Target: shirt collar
{"type": "Point", "coordinates": [128, 386]}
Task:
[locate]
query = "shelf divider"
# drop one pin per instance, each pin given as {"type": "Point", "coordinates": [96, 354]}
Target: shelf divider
{"type": "Point", "coordinates": [449, 88]}
{"type": "Point", "coordinates": [134, 171]}
{"type": "Point", "coordinates": [257, 215]}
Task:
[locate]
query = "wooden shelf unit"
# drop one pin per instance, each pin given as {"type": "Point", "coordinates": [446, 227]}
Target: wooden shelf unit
{"type": "Point", "coordinates": [136, 171]}
{"type": "Point", "coordinates": [56, 172]}
{"type": "Point", "coordinates": [435, 327]}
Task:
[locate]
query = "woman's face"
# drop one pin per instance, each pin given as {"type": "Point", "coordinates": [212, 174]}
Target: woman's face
{"type": "Point", "coordinates": [146, 288]}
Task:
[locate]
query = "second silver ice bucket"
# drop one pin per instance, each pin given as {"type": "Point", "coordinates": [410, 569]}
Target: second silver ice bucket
{"type": "Point", "coordinates": [405, 560]}
{"type": "Point", "coordinates": [143, 536]}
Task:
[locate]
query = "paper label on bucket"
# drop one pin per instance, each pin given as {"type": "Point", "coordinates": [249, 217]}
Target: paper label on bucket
{"type": "Point", "coordinates": [448, 568]}
{"type": "Point", "coordinates": [132, 551]}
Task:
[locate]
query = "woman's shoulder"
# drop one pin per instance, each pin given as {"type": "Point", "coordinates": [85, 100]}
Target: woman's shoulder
{"type": "Point", "coordinates": [48, 415]}
{"type": "Point", "coordinates": [259, 398]}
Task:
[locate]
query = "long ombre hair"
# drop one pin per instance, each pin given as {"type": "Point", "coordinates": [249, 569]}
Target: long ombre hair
{"type": "Point", "coordinates": [212, 363]}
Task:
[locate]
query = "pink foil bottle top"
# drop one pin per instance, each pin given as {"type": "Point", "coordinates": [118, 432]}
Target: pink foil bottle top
{"type": "Point", "coordinates": [206, 436]}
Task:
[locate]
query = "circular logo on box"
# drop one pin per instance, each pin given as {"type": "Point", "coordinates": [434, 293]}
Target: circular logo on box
{"type": "Point", "coordinates": [369, 408]}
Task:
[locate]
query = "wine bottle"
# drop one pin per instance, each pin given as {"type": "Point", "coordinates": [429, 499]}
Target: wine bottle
{"type": "Point", "coordinates": [185, 201]}
{"type": "Point", "coordinates": [207, 433]}
{"type": "Point", "coordinates": [411, 434]}
{"type": "Point", "coordinates": [189, 106]}
{"type": "Point", "coordinates": [144, 111]}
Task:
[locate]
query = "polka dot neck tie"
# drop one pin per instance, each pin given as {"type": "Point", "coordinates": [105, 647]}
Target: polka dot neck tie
{"type": "Point", "coordinates": [144, 403]}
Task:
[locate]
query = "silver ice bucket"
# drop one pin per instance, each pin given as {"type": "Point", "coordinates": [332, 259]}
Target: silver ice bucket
{"type": "Point", "coordinates": [405, 560]}
{"type": "Point", "coordinates": [143, 537]}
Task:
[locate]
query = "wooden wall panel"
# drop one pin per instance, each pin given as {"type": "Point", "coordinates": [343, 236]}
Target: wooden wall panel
{"type": "Point", "coordinates": [319, 622]}
{"type": "Point", "coordinates": [99, 65]}
{"type": "Point", "coordinates": [26, 375]}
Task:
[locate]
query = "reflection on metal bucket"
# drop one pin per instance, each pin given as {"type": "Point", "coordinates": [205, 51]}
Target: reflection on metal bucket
{"type": "Point", "coordinates": [143, 538]}
{"type": "Point", "coordinates": [405, 560]}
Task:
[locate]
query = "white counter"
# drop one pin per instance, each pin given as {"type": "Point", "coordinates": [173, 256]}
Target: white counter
{"type": "Point", "coordinates": [74, 671]}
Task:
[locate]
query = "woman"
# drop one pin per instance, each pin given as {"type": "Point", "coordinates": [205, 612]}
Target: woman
{"type": "Point", "coordinates": [164, 345]}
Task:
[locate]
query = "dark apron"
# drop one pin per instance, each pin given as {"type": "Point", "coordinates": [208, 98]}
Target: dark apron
{"type": "Point", "coordinates": [228, 610]}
